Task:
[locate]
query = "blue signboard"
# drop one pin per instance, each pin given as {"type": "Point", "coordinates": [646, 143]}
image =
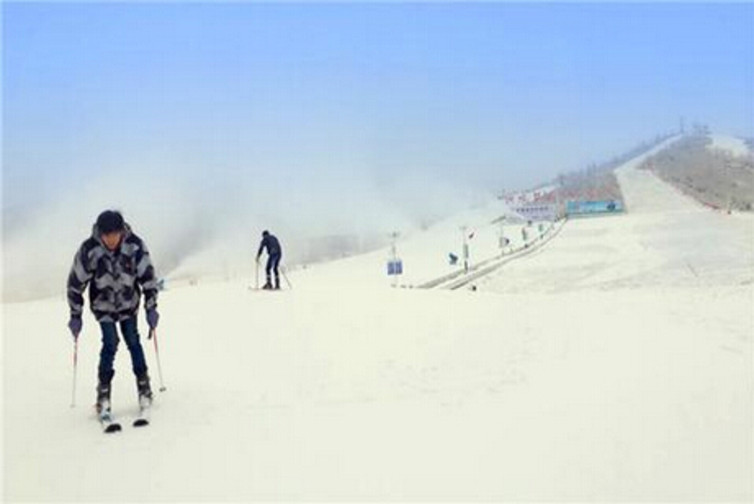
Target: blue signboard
{"type": "Point", "coordinates": [395, 267]}
{"type": "Point", "coordinates": [593, 207]}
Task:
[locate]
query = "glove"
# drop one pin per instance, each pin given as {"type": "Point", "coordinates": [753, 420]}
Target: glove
{"type": "Point", "coordinates": [75, 325]}
{"type": "Point", "coordinates": [152, 318]}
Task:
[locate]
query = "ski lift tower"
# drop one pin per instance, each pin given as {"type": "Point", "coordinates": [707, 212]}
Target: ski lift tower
{"type": "Point", "coordinates": [464, 228]}
{"type": "Point", "coordinates": [501, 237]}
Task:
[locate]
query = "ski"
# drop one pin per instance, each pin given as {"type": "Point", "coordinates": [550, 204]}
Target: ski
{"type": "Point", "coordinates": [142, 420]}
{"type": "Point", "coordinates": [109, 425]}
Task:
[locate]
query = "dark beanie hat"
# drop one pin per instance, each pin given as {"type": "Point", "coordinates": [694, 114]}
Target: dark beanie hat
{"type": "Point", "coordinates": [110, 221]}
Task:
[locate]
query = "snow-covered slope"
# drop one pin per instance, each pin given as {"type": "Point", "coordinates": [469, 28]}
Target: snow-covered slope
{"type": "Point", "coordinates": [613, 364]}
{"type": "Point", "coordinates": [732, 145]}
{"type": "Point", "coordinates": [425, 255]}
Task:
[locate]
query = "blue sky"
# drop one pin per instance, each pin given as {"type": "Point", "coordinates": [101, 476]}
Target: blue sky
{"type": "Point", "coordinates": [308, 102]}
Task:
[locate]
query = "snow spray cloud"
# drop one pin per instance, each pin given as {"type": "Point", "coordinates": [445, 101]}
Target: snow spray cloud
{"type": "Point", "coordinates": [200, 222]}
{"type": "Point", "coordinates": [40, 239]}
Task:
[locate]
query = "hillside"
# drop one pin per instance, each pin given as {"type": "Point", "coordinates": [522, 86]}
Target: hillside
{"type": "Point", "coordinates": [717, 171]}
{"type": "Point", "coordinates": [612, 364]}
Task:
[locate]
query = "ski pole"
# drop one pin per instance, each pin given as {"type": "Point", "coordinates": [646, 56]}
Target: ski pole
{"type": "Point", "coordinates": [75, 366]}
{"type": "Point", "coordinates": [256, 280]}
{"type": "Point", "coordinates": [153, 337]}
{"type": "Point", "coordinates": [282, 270]}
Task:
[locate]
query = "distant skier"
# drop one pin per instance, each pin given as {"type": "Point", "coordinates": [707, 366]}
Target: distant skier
{"type": "Point", "coordinates": [116, 266]}
{"type": "Point", "coordinates": [274, 253]}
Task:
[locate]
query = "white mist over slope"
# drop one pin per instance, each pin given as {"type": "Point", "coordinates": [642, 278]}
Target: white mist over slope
{"type": "Point", "coordinates": [202, 224]}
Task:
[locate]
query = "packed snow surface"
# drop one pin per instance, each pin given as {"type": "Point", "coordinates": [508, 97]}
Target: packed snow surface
{"type": "Point", "coordinates": [615, 363]}
{"type": "Point", "coordinates": [732, 145]}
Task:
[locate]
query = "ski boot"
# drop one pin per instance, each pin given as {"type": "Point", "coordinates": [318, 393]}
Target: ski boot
{"type": "Point", "coordinates": [144, 390]}
{"type": "Point", "coordinates": [104, 412]}
{"type": "Point", "coordinates": [267, 285]}
{"type": "Point", "coordinates": [103, 398]}
{"type": "Point", "coordinates": [277, 283]}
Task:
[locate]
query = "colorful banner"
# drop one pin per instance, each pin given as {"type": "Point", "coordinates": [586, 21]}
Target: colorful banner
{"type": "Point", "coordinates": [593, 207]}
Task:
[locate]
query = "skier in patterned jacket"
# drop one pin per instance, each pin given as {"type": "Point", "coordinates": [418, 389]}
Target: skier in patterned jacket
{"type": "Point", "coordinates": [115, 264]}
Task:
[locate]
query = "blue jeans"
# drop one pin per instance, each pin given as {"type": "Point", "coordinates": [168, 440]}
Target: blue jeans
{"type": "Point", "coordinates": [272, 266]}
{"type": "Point", "coordinates": [110, 345]}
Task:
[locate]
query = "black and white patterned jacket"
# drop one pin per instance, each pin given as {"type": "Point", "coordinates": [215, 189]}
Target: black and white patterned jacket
{"type": "Point", "coordinates": [116, 279]}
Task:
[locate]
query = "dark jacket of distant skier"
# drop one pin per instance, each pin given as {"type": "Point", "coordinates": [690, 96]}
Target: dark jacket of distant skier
{"type": "Point", "coordinates": [274, 254]}
{"type": "Point", "coordinates": [116, 278]}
